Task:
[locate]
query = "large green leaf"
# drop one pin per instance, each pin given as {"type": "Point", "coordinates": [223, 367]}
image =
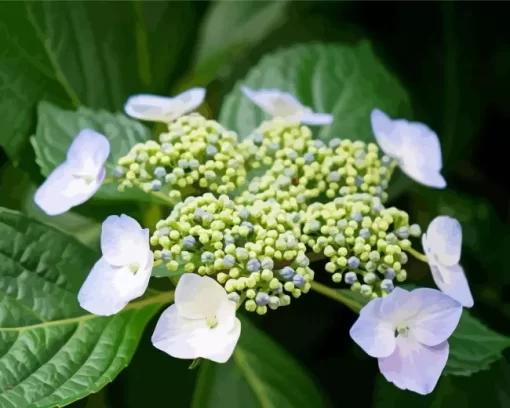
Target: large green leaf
{"type": "Point", "coordinates": [52, 351]}
{"type": "Point", "coordinates": [347, 81]}
{"type": "Point", "coordinates": [259, 374]}
{"type": "Point", "coordinates": [74, 53]}
{"type": "Point", "coordinates": [56, 129]}
{"type": "Point", "coordinates": [473, 346]}
{"type": "Point", "coordinates": [485, 389]}
{"type": "Point", "coordinates": [230, 28]}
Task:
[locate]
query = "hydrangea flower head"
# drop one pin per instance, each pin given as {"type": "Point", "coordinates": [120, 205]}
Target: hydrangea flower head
{"type": "Point", "coordinates": [413, 145]}
{"type": "Point", "coordinates": [123, 272]}
{"type": "Point", "coordinates": [443, 244]}
{"type": "Point", "coordinates": [408, 331]}
{"type": "Point", "coordinates": [164, 109]}
{"type": "Point", "coordinates": [201, 323]}
{"type": "Point", "coordinates": [78, 178]}
{"type": "Point", "coordinates": [281, 104]}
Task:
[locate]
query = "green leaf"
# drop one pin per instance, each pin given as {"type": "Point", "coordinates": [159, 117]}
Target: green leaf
{"type": "Point", "coordinates": [52, 351]}
{"type": "Point", "coordinates": [74, 53]}
{"type": "Point", "coordinates": [230, 29]}
{"type": "Point", "coordinates": [56, 129]}
{"type": "Point", "coordinates": [259, 374]}
{"type": "Point", "coordinates": [473, 347]}
{"type": "Point", "coordinates": [485, 389]}
{"type": "Point", "coordinates": [346, 81]}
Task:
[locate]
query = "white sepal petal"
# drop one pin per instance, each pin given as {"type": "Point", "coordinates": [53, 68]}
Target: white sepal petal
{"type": "Point", "coordinates": [123, 241]}
{"type": "Point", "coordinates": [445, 239]}
{"type": "Point", "coordinates": [164, 109]}
{"type": "Point", "coordinates": [310, 118]}
{"type": "Point", "coordinates": [413, 366]}
{"type": "Point", "coordinates": [423, 174]}
{"type": "Point", "coordinates": [386, 133]}
{"type": "Point", "coordinates": [88, 152]}
{"type": "Point", "coordinates": [108, 289]}
{"type": "Point", "coordinates": [62, 190]}
{"type": "Point", "coordinates": [197, 297]}
{"type": "Point", "coordinates": [374, 335]}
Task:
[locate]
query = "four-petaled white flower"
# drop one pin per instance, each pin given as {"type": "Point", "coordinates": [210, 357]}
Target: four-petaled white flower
{"type": "Point", "coordinates": [124, 270]}
{"type": "Point", "coordinates": [164, 109]}
{"type": "Point", "coordinates": [413, 145]}
{"type": "Point", "coordinates": [408, 332]}
{"type": "Point", "coordinates": [442, 245]}
{"type": "Point", "coordinates": [201, 323]}
{"type": "Point", "coordinates": [76, 179]}
{"type": "Point", "coordinates": [284, 105]}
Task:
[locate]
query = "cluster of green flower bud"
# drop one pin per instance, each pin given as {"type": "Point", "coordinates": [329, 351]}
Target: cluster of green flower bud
{"type": "Point", "coordinates": [364, 241]}
{"type": "Point", "coordinates": [195, 154]}
{"type": "Point", "coordinates": [253, 251]}
{"type": "Point", "coordinates": [304, 170]}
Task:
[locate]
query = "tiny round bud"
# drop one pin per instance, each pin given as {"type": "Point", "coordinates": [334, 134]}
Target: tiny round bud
{"type": "Point", "coordinates": [261, 310]}
{"type": "Point", "coordinates": [350, 278]}
{"type": "Point", "coordinates": [234, 297]}
{"type": "Point", "coordinates": [250, 305]}
{"type": "Point", "coordinates": [365, 290]}
{"type": "Point", "coordinates": [287, 273]}
{"type": "Point", "coordinates": [262, 298]}
{"type": "Point", "coordinates": [229, 261]}
{"type": "Point", "coordinates": [387, 285]}
{"type": "Point", "coordinates": [266, 275]}
{"type": "Point", "coordinates": [267, 263]}
{"type": "Point", "coordinates": [369, 278]}
{"type": "Point", "coordinates": [159, 172]}
{"type": "Point", "coordinates": [253, 265]}
{"type": "Point", "coordinates": [250, 294]}
{"type": "Point", "coordinates": [402, 275]}
{"type": "Point", "coordinates": [337, 277]}
{"type": "Point", "coordinates": [389, 274]}
{"type": "Point", "coordinates": [298, 281]}
{"type": "Point", "coordinates": [353, 262]}
{"type": "Point", "coordinates": [415, 230]}
{"type": "Point", "coordinates": [288, 286]}
{"type": "Point", "coordinates": [274, 302]}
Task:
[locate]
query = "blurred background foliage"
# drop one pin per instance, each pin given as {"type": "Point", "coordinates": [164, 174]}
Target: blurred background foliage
{"type": "Point", "coordinates": [452, 58]}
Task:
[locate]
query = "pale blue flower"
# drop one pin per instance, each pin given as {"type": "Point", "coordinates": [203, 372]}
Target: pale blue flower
{"type": "Point", "coordinates": [408, 333]}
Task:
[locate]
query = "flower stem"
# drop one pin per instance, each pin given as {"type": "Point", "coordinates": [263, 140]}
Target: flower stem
{"type": "Point", "coordinates": [336, 295]}
{"type": "Point", "coordinates": [418, 255]}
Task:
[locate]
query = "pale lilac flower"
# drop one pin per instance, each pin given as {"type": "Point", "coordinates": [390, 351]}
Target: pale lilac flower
{"type": "Point", "coordinates": [284, 105]}
{"type": "Point", "coordinates": [76, 179]}
{"type": "Point", "coordinates": [413, 145]}
{"type": "Point", "coordinates": [201, 323]}
{"type": "Point", "coordinates": [123, 272]}
{"type": "Point", "coordinates": [442, 245]}
{"type": "Point", "coordinates": [408, 333]}
{"type": "Point", "coordinates": [164, 109]}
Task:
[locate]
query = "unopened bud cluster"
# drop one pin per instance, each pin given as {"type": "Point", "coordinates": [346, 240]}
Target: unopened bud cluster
{"type": "Point", "coordinates": [364, 241]}
{"type": "Point", "coordinates": [195, 154]}
{"type": "Point", "coordinates": [253, 251]}
{"type": "Point", "coordinates": [302, 170]}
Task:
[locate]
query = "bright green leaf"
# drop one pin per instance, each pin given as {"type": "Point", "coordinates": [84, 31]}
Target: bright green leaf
{"type": "Point", "coordinates": [56, 129]}
{"type": "Point", "coordinates": [485, 389]}
{"type": "Point", "coordinates": [75, 53]}
{"type": "Point", "coordinates": [232, 27]}
{"type": "Point", "coordinates": [473, 347]}
{"type": "Point", "coordinates": [259, 374]}
{"type": "Point", "coordinates": [53, 352]}
{"type": "Point", "coordinates": [346, 81]}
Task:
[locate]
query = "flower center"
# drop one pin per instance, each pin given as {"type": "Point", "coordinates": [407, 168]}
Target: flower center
{"type": "Point", "coordinates": [212, 322]}
{"type": "Point", "coordinates": [134, 268]}
{"type": "Point", "coordinates": [402, 330]}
